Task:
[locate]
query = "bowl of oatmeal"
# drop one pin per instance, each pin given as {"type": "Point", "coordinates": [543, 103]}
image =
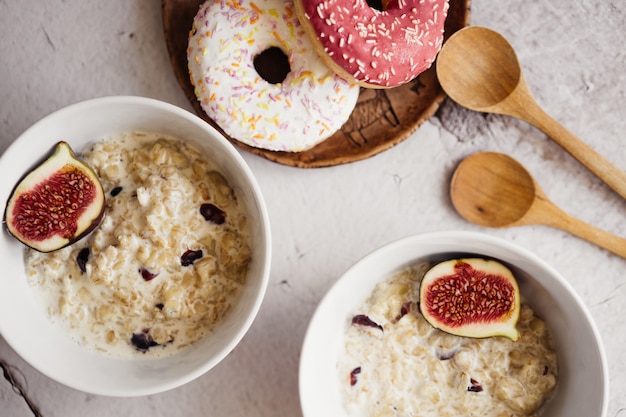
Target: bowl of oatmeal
{"type": "Point", "coordinates": [172, 277]}
{"type": "Point", "coordinates": [369, 352]}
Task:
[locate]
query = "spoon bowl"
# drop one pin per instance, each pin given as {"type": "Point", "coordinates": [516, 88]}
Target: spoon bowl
{"type": "Point", "coordinates": [490, 68]}
{"type": "Point", "coordinates": [494, 190]}
{"type": "Point", "coordinates": [478, 69]}
{"type": "Point", "coordinates": [483, 181]}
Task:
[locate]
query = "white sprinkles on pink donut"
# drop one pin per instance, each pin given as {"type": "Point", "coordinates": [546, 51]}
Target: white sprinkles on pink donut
{"type": "Point", "coordinates": [307, 107]}
{"type": "Point", "coordinates": [377, 48]}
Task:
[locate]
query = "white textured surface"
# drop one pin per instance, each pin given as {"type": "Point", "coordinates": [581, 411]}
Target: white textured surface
{"type": "Point", "coordinates": [57, 52]}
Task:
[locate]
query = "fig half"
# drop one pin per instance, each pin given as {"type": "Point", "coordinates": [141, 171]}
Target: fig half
{"type": "Point", "coordinates": [472, 298]}
{"type": "Point", "coordinates": [57, 203]}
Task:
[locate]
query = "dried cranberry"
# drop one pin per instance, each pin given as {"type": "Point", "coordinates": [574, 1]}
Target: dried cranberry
{"type": "Point", "coordinates": [475, 386]}
{"type": "Point", "coordinates": [406, 307]}
{"type": "Point", "coordinates": [82, 258]}
{"type": "Point", "coordinates": [363, 320]}
{"type": "Point", "coordinates": [353, 375]}
{"type": "Point", "coordinates": [212, 213]}
{"type": "Point", "coordinates": [115, 191]}
{"type": "Point", "coordinates": [143, 341]}
{"type": "Point", "coordinates": [190, 256]}
{"type": "Point", "coordinates": [444, 355]}
{"type": "Point", "coordinates": [147, 275]}
{"type": "Point", "coordinates": [404, 310]}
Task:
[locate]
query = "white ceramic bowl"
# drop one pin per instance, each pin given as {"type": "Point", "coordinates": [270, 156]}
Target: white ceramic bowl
{"type": "Point", "coordinates": [24, 325]}
{"type": "Point", "coordinates": [582, 388]}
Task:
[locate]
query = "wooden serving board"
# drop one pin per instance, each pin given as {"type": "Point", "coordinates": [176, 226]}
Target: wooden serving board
{"type": "Point", "coordinates": [380, 120]}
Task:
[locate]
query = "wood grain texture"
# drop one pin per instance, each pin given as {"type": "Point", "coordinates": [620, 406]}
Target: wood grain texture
{"type": "Point", "coordinates": [494, 190]}
{"type": "Point", "coordinates": [380, 120]}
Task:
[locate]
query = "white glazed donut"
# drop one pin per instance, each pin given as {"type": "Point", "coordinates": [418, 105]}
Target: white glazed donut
{"type": "Point", "coordinates": [307, 107]}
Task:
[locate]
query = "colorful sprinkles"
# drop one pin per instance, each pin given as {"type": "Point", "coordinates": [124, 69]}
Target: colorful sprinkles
{"type": "Point", "coordinates": [307, 107]}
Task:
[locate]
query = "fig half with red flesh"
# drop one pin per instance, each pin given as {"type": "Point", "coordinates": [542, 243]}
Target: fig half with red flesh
{"type": "Point", "coordinates": [57, 203]}
{"type": "Point", "coordinates": [472, 298]}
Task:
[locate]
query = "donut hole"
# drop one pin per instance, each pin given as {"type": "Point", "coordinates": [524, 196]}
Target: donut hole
{"type": "Point", "coordinates": [380, 5]}
{"type": "Point", "coordinates": [272, 65]}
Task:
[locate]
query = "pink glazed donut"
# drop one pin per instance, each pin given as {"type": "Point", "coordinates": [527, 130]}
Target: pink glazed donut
{"type": "Point", "coordinates": [374, 48]}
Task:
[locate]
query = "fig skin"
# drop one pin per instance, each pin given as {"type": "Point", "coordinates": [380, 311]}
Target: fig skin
{"type": "Point", "coordinates": [59, 223]}
{"type": "Point", "coordinates": [483, 298]}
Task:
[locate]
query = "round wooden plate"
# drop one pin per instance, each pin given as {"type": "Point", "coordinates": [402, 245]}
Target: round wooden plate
{"type": "Point", "coordinates": [380, 120]}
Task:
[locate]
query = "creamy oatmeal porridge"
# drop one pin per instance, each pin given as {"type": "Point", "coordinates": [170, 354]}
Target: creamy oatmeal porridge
{"type": "Point", "coordinates": [395, 364]}
{"type": "Point", "coordinates": [168, 260]}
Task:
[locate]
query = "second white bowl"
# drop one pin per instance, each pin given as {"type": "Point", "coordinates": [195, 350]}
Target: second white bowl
{"type": "Point", "coordinates": [582, 388]}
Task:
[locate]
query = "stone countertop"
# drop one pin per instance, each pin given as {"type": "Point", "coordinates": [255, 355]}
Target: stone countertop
{"type": "Point", "coordinates": [56, 52]}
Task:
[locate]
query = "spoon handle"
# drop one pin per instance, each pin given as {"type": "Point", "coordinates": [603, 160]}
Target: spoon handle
{"type": "Point", "coordinates": [551, 215]}
{"type": "Point", "coordinates": [596, 163]}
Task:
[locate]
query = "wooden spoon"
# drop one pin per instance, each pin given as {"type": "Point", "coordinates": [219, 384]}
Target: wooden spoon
{"type": "Point", "coordinates": [479, 70]}
{"type": "Point", "coordinates": [494, 190]}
